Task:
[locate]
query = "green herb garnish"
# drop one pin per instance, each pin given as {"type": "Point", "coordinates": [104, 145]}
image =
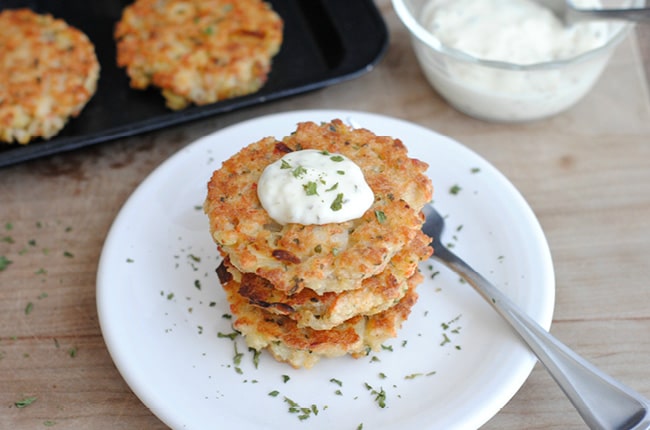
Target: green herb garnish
{"type": "Point", "coordinates": [230, 336]}
{"type": "Point", "coordinates": [310, 188]}
{"type": "Point", "coordinates": [380, 396]}
{"type": "Point", "coordinates": [337, 204]}
{"type": "Point", "coordinates": [4, 262]}
{"type": "Point", "coordinates": [256, 356]}
{"type": "Point", "coordinates": [381, 216]}
{"type": "Point", "coordinates": [284, 164]}
{"type": "Point", "coordinates": [337, 158]}
{"type": "Point", "coordinates": [298, 172]}
{"type": "Point", "coordinates": [333, 187]}
{"type": "Point", "coordinates": [337, 382]}
{"type": "Point", "coordinates": [25, 402]}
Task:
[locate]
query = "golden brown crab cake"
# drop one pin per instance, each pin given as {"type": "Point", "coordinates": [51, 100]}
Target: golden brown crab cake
{"type": "Point", "coordinates": [48, 72]}
{"type": "Point", "coordinates": [198, 51]}
{"type": "Point", "coordinates": [304, 347]}
{"type": "Point", "coordinates": [323, 312]}
{"type": "Point", "coordinates": [332, 257]}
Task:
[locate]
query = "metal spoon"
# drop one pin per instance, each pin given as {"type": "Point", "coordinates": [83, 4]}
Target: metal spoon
{"type": "Point", "coordinates": [603, 402]}
{"type": "Point", "coordinates": [568, 14]}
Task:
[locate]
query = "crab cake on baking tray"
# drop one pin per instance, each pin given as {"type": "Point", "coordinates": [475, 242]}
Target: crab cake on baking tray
{"type": "Point", "coordinates": [48, 72]}
{"type": "Point", "coordinates": [304, 347]}
{"type": "Point", "coordinates": [198, 51]}
{"type": "Point", "coordinates": [332, 257]}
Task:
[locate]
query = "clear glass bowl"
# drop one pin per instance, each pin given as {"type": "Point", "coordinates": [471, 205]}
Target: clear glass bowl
{"type": "Point", "coordinates": [502, 91]}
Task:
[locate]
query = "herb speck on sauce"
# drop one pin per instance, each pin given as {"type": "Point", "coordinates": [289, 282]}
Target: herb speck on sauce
{"type": "Point", "coordinates": [299, 172]}
{"type": "Point", "coordinates": [337, 204]}
{"type": "Point", "coordinates": [455, 189]}
{"type": "Point", "coordinates": [311, 188]}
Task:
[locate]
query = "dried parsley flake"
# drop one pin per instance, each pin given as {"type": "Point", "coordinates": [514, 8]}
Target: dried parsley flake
{"type": "Point", "coordinates": [337, 204]}
{"type": "Point", "coordinates": [25, 402]}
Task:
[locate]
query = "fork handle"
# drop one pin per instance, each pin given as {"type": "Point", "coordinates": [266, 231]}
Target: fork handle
{"type": "Point", "coordinates": [603, 402]}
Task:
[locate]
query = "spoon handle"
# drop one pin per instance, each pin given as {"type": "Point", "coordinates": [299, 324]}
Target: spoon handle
{"type": "Point", "coordinates": [640, 14]}
{"type": "Point", "coordinates": [603, 402]}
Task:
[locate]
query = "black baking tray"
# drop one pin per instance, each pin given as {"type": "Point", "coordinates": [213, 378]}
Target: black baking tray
{"type": "Point", "coordinates": [325, 42]}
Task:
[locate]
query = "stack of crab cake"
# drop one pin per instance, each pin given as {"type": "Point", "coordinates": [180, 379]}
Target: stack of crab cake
{"type": "Point", "coordinates": [306, 291]}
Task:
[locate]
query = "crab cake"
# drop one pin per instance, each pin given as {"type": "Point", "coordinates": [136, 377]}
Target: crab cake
{"type": "Point", "coordinates": [198, 51]}
{"type": "Point", "coordinates": [332, 257]}
{"type": "Point", "coordinates": [304, 347]}
{"type": "Point", "coordinates": [308, 309]}
{"type": "Point", "coordinates": [48, 72]}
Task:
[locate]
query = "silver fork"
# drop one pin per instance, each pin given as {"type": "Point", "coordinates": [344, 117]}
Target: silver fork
{"type": "Point", "coordinates": [568, 14]}
{"type": "Point", "coordinates": [603, 402]}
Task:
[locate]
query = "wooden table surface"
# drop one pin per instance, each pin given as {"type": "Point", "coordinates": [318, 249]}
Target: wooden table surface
{"type": "Point", "coordinates": [585, 173]}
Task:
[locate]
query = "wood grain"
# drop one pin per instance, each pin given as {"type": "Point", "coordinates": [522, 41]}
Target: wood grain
{"type": "Point", "coordinates": [585, 173]}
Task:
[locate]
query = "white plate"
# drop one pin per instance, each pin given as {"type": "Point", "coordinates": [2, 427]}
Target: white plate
{"type": "Point", "coordinates": [454, 364]}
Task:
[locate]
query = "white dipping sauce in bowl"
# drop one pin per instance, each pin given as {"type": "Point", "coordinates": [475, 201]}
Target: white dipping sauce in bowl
{"type": "Point", "coordinates": [516, 31]}
{"type": "Point", "coordinates": [507, 60]}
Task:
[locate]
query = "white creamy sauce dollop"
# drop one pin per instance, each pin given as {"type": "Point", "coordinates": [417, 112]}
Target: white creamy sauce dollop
{"type": "Point", "coordinates": [314, 187]}
{"type": "Point", "coordinates": [516, 31]}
